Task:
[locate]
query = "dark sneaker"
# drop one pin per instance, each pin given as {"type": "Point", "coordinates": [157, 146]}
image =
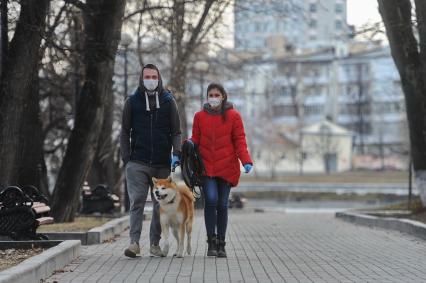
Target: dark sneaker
{"type": "Point", "coordinates": [132, 250]}
{"type": "Point", "coordinates": [155, 250]}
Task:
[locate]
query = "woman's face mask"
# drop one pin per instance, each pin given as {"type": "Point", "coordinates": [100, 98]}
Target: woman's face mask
{"type": "Point", "coordinates": [214, 98]}
{"type": "Point", "coordinates": [214, 101]}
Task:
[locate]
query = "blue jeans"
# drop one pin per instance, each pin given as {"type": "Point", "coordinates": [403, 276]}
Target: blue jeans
{"type": "Point", "coordinates": [216, 195]}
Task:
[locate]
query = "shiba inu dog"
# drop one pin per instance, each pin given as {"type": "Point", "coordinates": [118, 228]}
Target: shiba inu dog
{"type": "Point", "coordinates": [176, 212]}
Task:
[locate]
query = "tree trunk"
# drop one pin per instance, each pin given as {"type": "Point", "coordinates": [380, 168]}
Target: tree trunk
{"type": "Point", "coordinates": [30, 160]}
{"type": "Point", "coordinates": [3, 33]}
{"type": "Point", "coordinates": [411, 65]}
{"type": "Point", "coordinates": [102, 171]}
{"type": "Point", "coordinates": [177, 84]}
{"type": "Point", "coordinates": [16, 83]}
{"type": "Point", "coordinates": [103, 20]}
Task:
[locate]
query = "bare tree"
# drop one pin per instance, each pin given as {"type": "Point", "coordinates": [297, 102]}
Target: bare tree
{"type": "Point", "coordinates": [102, 23]}
{"type": "Point", "coordinates": [175, 31]}
{"type": "Point", "coordinates": [409, 55]}
{"type": "Point", "coordinates": [16, 87]}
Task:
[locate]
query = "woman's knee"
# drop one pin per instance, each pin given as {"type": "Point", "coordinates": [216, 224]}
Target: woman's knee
{"type": "Point", "coordinates": [210, 192]}
{"type": "Point", "coordinates": [211, 200]}
{"type": "Point", "coordinates": [222, 206]}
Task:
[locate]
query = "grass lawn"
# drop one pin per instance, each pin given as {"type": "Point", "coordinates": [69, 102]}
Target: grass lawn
{"type": "Point", "coordinates": [344, 177]}
{"type": "Point", "coordinates": [80, 224]}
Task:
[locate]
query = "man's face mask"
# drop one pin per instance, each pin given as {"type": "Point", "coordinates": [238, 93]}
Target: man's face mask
{"type": "Point", "coordinates": [150, 84]}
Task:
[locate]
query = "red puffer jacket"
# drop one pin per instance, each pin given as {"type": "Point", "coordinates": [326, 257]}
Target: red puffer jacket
{"type": "Point", "coordinates": [221, 144]}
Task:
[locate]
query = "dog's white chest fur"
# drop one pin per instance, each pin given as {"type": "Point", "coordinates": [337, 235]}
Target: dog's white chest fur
{"type": "Point", "coordinates": [172, 217]}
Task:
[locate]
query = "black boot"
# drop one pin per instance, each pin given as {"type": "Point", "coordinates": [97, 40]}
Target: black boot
{"type": "Point", "coordinates": [212, 248]}
{"type": "Point", "coordinates": [221, 247]}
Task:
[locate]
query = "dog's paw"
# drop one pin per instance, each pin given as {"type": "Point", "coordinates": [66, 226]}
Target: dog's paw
{"type": "Point", "coordinates": [178, 255]}
{"type": "Point", "coordinates": [165, 251]}
{"type": "Point", "coordinates": [188, 250]}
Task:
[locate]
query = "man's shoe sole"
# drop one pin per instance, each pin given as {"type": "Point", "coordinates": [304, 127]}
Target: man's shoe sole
{"type": "Point", "coordinates": [129, 254]}
{"type": "Point", "coordinates": [211, 253]}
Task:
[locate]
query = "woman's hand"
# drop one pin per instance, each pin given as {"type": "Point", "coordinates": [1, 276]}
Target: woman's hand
{"type": "Point", "coordinates": [247, 167]}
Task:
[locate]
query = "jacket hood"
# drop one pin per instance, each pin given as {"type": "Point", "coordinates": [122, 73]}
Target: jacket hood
{"type": "Point", "coordinates": [210, 110]}
{"type": "Point", "coordinates": [160, 87]}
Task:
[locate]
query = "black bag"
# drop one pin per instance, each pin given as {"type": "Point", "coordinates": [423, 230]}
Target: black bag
{"type": "Point", "coordinates": [192, 167]}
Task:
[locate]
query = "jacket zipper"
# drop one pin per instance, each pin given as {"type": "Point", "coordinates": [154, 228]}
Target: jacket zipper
{"type": "Point", "coordinates": [214, 146]}
{"type": "Point", "coordinates": [152, 148]}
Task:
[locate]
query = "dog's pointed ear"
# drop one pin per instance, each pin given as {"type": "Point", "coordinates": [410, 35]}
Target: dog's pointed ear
{"type": "Point", "coordinates": [169, 179]}
{"type": "Point", "coordinates": [154, 180]}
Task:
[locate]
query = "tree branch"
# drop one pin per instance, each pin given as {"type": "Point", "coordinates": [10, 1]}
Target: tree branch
{"type": "Point", "coordinates": [78, 4]}
{"type": "Point", "coordinates": [144, 10]}
{"type": "Point", "coordinates": [421, 25]}
{"type": "Point", "coordinates": [197, 30]}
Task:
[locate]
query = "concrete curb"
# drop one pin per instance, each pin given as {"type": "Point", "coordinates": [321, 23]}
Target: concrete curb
{"type": "Point", "coordinates": [107, 231]}
{"type": "Point", "coordinates": [63, 236]}
{"type": "Point", "coordinates": [411, 227]}
{"type": "Point", "coordinates": [43, 265]}
{"type": "Point", "coordinates": [95, 235]}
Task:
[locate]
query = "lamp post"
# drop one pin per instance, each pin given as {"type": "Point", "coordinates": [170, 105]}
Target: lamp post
{"type": "Point", "coordinates": [202, 67]}
{"type": "Point", "coordinates": [125, 42]}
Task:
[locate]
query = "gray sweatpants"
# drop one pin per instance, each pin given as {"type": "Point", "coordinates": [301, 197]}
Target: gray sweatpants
{"type": "Point", "coordinates": [139, 180]}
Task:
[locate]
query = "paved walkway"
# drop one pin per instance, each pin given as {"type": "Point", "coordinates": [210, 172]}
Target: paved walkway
{"type": "Point", "coordinates": [266, 247]}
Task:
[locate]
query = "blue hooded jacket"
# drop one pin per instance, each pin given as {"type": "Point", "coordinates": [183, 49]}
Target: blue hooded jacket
{"type": "Point", "coordinates": [151, 140]}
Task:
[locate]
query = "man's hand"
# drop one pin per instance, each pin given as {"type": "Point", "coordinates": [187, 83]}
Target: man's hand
{"type": "Point", "coordinates": [175, 162]}
{"type": "Point", "coordinates": [190, 142]}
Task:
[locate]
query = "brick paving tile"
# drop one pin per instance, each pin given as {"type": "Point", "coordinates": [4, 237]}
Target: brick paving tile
{"type": "Point", "coordinates": [264, 247]}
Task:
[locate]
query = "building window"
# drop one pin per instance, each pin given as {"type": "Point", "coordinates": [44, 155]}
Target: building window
{"type": "Point", "coordinates": [284, 110]}
{"type": "Point", "coordinates": [257, 27]}
{"type": "Point", "coordinates": [313, 110]}
{"type": "Point", "coordinates": [285, 91]}
{"type": "Point", "coordinates": [313, 24]}
{"type": "Point", "coordinates": [339, 8]}
{"type": "Point", "coordinates": [313, 7]}
{"type": "Point", "coordinates": [339, 25]}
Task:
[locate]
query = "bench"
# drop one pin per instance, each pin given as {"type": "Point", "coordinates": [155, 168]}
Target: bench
{"type": "Point", "coordinates": [22, 211]}
{"type": "Point", "coordinates": [99, 200]}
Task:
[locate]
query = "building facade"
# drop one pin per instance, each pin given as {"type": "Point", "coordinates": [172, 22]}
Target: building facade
{"type": "Point", "coordinates": [280, 26]}
{"type": "Point", "coordinates": [356, 89]}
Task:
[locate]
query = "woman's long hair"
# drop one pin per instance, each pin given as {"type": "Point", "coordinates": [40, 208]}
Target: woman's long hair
{"type": "Point", "coordinates": [222, 90]}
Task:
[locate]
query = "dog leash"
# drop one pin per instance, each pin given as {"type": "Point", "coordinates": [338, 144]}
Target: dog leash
{"type": "Point", "coordinates": [196, 190]}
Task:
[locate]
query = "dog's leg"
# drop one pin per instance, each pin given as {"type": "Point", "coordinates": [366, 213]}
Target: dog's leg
{"type": "Point", "coordinates": [181, 240]}
{"type": "Point", "coordinates": [165, 232]}
{"type": "Point", "coordinates": [188, 236]}
{"type": "Point", "coordinates": [176, 234]}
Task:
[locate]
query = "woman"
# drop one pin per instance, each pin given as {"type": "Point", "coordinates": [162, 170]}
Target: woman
{"type": "Point", "coordinates": [219, 133]}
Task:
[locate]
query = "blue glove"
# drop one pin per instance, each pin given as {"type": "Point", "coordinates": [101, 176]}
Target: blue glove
{"type": "Point", "coordinates": [175, 162]}
{"type": "Point", "coordinates": [247, 167]}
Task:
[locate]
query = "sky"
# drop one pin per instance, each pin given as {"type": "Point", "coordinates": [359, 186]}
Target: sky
{"type": "Point", "coordinates": [362, 12]}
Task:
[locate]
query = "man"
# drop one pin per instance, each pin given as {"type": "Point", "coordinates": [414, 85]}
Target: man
{"type": "Point", "coordinates": [150, 128]}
